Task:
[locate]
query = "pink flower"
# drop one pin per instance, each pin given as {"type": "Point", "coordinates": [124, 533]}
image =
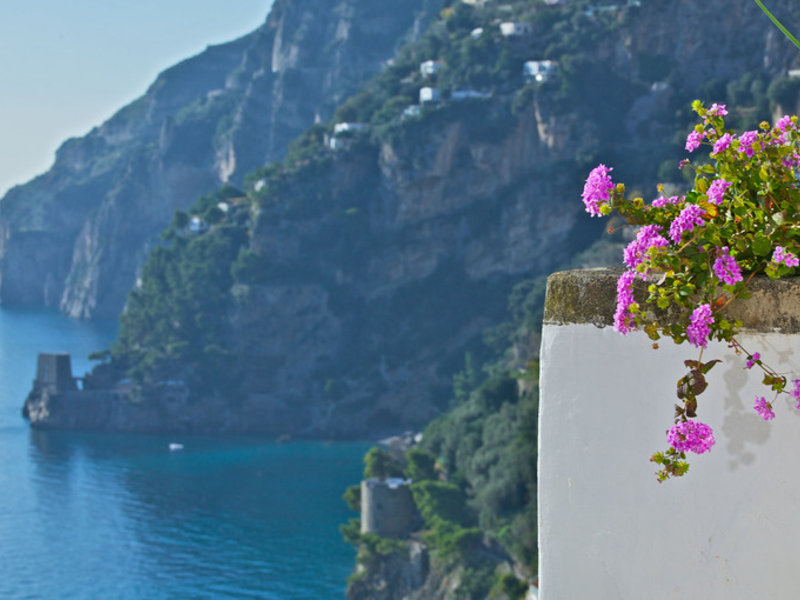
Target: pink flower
{"type": "Point", "coordinates": [624, 320]}
{"type": "Point", "coordinates": [718, 109]}
{"type": "Point", "coordinates": [717, 190]}
{"type": "Point", "coordinates": [746, 141]}
{"type": "Point", "coordinates": [784, 123]}
{"type": "Point", "coordinates": [722, 143]}
{"type": "Point", "coordinates": [693, 140]}
{"type": "Point", "coordinates": [726, 268]}
{"type": "Point", "coordinates": [764, 409]}
{"type": "Point", "coordinates": [674, 200]}
{"type": "Point", "coordinates": [596, 190]}
{"type": "Point", "coordinates": [699, 327]}
{"type": "Point", "coordinates": [791, 162]}
{"type": "Point", "coordinates": [782, 256]}
{"type": "Point", "coordinates": [691, 436]}
{"type": "Point", "coordinates": [751, 360]}
{"type": "Point", "coordinates": [647, 237]}
{"type": "Point", "coordinates": [690, 216]}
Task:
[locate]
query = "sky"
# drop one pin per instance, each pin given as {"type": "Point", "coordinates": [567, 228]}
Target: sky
{"type": "Point", "coordinates": [67, 66]}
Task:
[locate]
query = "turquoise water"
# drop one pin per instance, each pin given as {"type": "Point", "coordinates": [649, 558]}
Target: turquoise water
{"type": "Point", "coordinates": [86, 515]}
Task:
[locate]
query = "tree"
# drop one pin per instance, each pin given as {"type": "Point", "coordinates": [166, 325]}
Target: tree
{"type": "Point", "coordinates": [378, 463]}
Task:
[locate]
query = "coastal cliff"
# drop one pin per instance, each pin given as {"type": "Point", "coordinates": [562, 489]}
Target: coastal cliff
{"type": "Point", "coordinates": [355, 248]}
{"type": "Point", "coordinates": [335, 293]}
{"type": "Point", "coordinates": [76, 237]}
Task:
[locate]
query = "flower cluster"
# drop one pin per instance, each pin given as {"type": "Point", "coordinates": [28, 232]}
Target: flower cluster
{"type": "Point", "coordinates": [698, 251]}
{"type": "Point", "coordinates": [726, 268]}
{"type": "Point", "coordinates": [691, 436]}
{"type": "Point", "coordinates": [674, 200]}
{"type": "Point", "coordinates": [747, 142]}
{"type": "Point", "coordinates": [647, 237]}
{"type": "Point", "coordinates": [624, 319]}
{"type": "Point", "coordinates": [693, 140]}
{"type": "Point", "coordinates": [764, 409]}
{"type": "Point", "coordinates": [717, 190]}
{"type": "Point", "coordinates": [596, 192]}
{"type": "Point", "coordinates": [699, 328]}
{"type": "Point", "coordinates": [722, 144]}
{"type": "Point", "coordinates": [688, 218]}
{"type": "Point", "coordinates": [781, 256]}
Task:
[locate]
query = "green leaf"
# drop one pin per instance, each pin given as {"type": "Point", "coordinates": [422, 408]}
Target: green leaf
{"type": "Point", "coordinates": [761, 245]}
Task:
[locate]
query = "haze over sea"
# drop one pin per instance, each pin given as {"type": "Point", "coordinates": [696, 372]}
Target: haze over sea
{"type": "Point", "coordinates": [90, 515]}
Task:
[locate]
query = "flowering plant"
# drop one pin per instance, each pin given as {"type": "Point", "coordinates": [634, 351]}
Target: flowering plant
{"type": "Point", "coordinates": [698, 252]}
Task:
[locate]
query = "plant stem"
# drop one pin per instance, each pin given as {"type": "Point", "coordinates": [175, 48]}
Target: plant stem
{"type": "Point", "coordinates": [778, 24]}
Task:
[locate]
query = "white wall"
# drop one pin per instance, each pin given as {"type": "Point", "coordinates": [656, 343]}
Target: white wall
{"type": "Point", "coordinates": [729, 529]}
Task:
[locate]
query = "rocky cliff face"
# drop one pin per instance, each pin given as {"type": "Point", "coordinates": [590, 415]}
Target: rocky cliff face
{"type": "Point", "coordinates": [396, 271]}
{"type": "Point", "coordinates": [384, 242]}
{"type": "Point", "coordinates": [75, 237]}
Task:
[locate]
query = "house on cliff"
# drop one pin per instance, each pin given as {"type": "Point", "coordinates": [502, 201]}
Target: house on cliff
{"type": "Point", "coordinates": [429, 95]}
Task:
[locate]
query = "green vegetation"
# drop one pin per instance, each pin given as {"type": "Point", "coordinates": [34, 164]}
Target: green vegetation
{"type": "Point", "coordinates": [378, 463]}
{"type": "Point", "coordinates": [172, 329]}
{"type": "Point", "coordinates": [509, 586]}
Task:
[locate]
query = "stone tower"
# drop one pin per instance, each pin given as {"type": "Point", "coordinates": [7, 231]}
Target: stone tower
{"type": "Point", "coordinates": [54, 374]}
{"type": "Point", "coordinates": [387, 507]}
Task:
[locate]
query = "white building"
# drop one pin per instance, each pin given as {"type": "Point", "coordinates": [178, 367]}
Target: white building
{"type": "Point", "coordinates": [340, 128]}
{"type": "Point", "coordinates": [476, 33]}
{"type": "Point", "coordinates": [338, 143]}
{"type": "Point", "coordinates": [514, 29]}
{"type": "Point", "coordinates": [343, 135]}
{"type": "Point", "coordinates": [412, 111]}
{"type": "Point", "coordinates": [197, 225]}
{"type": "Point", "coordinates": [429, 95]}
{"type": "Point", "coordinates": [539, 70]}
{"type": "Point", "coordinates": [430, 67]}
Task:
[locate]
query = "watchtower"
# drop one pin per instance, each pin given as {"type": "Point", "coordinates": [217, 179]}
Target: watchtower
{"type": "Point", "coordinates": [54, 373]}
{"type": "Point", "coordinates": [387, 507]}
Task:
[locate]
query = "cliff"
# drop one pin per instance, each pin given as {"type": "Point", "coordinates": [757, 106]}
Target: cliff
{"type": "Point", "coordinates": [351, 250]}
{"type": "Point", "coordinates": [77, 236]}
{"type": "Point", "coordinates": [338, 293]}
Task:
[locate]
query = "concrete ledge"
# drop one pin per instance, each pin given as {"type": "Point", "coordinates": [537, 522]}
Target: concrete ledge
{"type": "Point", "coordinates": [590, 296]}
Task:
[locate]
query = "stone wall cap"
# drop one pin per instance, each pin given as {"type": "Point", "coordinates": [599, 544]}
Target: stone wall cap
{"type": "Point", "coordinates": [589, 296]}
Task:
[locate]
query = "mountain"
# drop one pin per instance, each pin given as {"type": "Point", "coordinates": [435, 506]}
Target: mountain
{"type": "Point", "coordinates": [335, 292]}
{"type": "Point", "coordinates": [76, 237]}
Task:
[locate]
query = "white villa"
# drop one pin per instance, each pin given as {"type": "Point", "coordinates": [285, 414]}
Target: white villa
{"type": "Point", "coordinates": [539, 70]}
{"type": "Point", "coordinates": [514, 29]}
{"type": "Point", "coordinates": [429, 95]}
{"type": "Point", "coordinates": [430, 67]}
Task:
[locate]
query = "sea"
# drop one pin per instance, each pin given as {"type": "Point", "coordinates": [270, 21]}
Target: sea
{"type": "Point", "coordinates": [121, 516]}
